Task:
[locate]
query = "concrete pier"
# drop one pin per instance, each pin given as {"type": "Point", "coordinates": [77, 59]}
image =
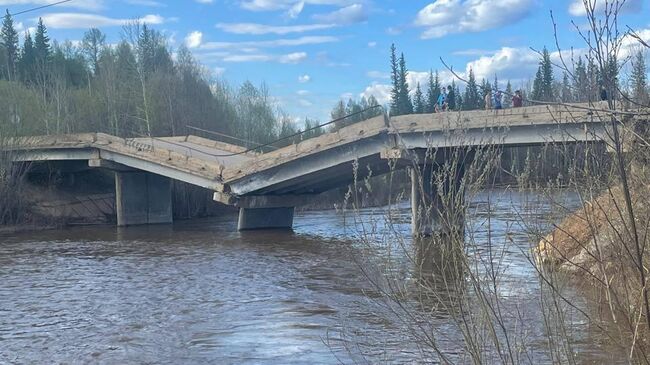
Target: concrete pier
{"type": "Point", "coordinates": [265, 218]}
{"type": "Point", "coordinates": [142, 198]}
{"type": "Point", "coordinates": [437, 201]}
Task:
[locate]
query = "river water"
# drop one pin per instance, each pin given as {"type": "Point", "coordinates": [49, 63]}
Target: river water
{"type": "Point", "coordinates": [200, 292]}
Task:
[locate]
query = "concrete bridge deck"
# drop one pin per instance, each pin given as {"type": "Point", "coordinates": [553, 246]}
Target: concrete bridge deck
{"type": "Point", "coordinates": [266, 186]}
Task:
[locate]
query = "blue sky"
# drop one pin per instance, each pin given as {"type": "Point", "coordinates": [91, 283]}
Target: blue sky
{"type": "Point", "coordinates": [310, 53]}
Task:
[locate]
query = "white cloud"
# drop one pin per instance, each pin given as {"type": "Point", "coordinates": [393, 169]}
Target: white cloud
{"type": "Point", "coordinates": [577, 7]}
{"type": "Point", "coordinates": [305, 103]}
{"type": "Point", "coordinates": [272, 5]}
{"type": "Point", "coordinates": [304, 79]}
{"type": "Point", "coordinates": [291, 58]}
{"type": "Point", "coordinates": [205, 1]}
{"type": "Point", "coordinates": [443, 17]}
{"type": "Point", "coordinates": [372, 44]}
{"type": "Point", "coordinates": [151, 3]}
{"type": "Point", "coordinates": [86, 4]}
{"type": "Point", "coordinates": [194, 39]}
{"type": "Point", "coordinates": [303, 92]}
{"type": "Point", "coordinates": [219, 71]}
{"type": "Point", "coordinates": [377, 75]}
{"type": "Point", "coordinates": [355, 13]}
{"type": "Point", "coordinates": [257, 29]}
{"type": "Point", "coordinates": [516, 63]}
{"type": "Point", "coordinates": [84, 20]}
{"type": "Point", "coordinates": [301, 41]}
{"type": "Point", "coordinates": [296, 9]}
{"type": "Point", "coordinates": [381, 92]}
{"type": "Point", "coordinates": [295, 57]}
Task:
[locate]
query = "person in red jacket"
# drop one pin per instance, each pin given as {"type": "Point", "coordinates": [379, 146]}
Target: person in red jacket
{"type": "Point", "coordinates": [517, 100]}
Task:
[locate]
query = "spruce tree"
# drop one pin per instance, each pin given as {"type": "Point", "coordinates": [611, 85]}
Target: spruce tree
{"type": "Point", "coordinates": [458, 97]}
{"type": "Point", "coordinates": [581, 82]}
{"type": "Point", "coordinates": [42, 49]}
{"type": "Point", "coordinates": [543, 83]}
{"type": "Point", "coordinates": [9, 44]}
{"type": "Point", "coordinates": [418, 101]}
{"type": "Point", "coordinates": [472, 96]}
{"type": "Point", "coordinates": [486, 88]}
{"type": "Point", "coordinates": [565, 94]}
{"type": "Point", "coordinates": [639, 80]}
{"type": "Point", "coordinates": [27, 62]}
{"type": "Point", "coordinates": [394, 77]}
{"type": "Point", "coordinates": [405, 103]}
{"type": "Point", "coordinates": [547, 76]}
{"type": "Point", "coordinates": [507, 98]}
{"type": "Point", "coordinates": [433, 92]}
{"type": "Point", "coordinates": [92, 44]}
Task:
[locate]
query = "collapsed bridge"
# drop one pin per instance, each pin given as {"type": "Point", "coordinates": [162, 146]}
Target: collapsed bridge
{"type": "Point", "coordinates": [266, 187]}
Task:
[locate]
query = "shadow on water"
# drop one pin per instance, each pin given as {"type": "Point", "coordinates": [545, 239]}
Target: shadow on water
{"type": "Point", "coordinates": [201, 292]}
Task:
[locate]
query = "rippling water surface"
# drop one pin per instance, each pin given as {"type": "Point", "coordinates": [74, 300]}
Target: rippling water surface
{"type": "Point", "coordinates": [200, 292]}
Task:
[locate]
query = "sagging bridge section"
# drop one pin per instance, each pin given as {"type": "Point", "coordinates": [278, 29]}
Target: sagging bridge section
{"type": "Point", "coordinates": [267, 186]}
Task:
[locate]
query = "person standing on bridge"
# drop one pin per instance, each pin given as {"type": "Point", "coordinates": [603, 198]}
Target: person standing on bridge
{"type": "Point", "coordinates": [517, 100]}
{"type": "Point", "coordinates": [488, 99]}
{"type": "Point", "coordinates": [451, 98]}
{"type": "Point", "coordinates": [441, 103]}
{"type": "Point", "coordinates": [497, 100]}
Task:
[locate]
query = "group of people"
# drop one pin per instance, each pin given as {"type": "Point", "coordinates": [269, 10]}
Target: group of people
{"type": "Point", "coordinates": [496, 102]}
{"type": "Point", "coordinates": [447, 100]}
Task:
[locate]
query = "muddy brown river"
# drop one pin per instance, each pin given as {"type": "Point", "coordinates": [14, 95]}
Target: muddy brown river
{"type": "Point", "coordinates": [199, 292]}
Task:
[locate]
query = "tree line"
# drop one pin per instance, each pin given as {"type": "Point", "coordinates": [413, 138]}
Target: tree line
{"type": "Point", "coordinates": [582, 85]}
{"type": "Point", "coordinates": [130, 89]}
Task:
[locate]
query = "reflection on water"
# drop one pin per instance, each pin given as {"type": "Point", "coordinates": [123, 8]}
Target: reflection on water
{"type": "Point", "coordinates": [200, 292]}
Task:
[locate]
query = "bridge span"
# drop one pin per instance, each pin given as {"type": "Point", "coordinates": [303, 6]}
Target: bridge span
{"type": "Point", "coordinates": [267, 186]}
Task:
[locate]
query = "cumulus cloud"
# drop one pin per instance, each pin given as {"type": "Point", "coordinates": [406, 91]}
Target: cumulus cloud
{"type": "Point", "coordinates": [381, 92]}
{"type": "Point", "coordinates": [355, 13]}
{"type": "Point", "coordinates": [84, 20]}
{"type": "Point", "coordinates": [577, 7]}
{"type": "Point", "coordinates": [304, 79]}
{"type": "Point", "coordinates": [443, 17]}
{"type": "Point", "coordinates": [378, 75]}
{"type": "Point", "coordinates": [258, 29]}
{"type": "Point", "coordinates": [194, 39]}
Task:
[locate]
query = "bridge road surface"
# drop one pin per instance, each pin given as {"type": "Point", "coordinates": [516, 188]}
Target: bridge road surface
{"type": "Point", "coordinates": [223, 156]}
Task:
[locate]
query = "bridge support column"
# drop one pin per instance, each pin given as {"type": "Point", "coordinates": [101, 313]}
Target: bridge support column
{"type": "Point", "coordinates": [142, 198]}
{"type": "Point", "coordinates": [437, 202]}
{"type": "Point", "coordinates": [265, 218]}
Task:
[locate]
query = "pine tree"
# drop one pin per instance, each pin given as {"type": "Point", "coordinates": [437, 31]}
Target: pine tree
{"type": "Point", "coordinates": [472, 96]}
{"type": "Point", "coordinates": [394, 77]}
{"type": "Point", "coordinates": [405, 103]}
{"type": "Point", "coordinates": [9, 44]}
{"type": "Point", "coordinates": [593, 77]}
{"type": "Point", "coordinates": [418, 101]}
{"type": "Point", "coordinates": [639, 80]}
{"type": "Point", "coordinates": [433, 92]}
{"type": "Point", "coordinates": [495, 86]}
